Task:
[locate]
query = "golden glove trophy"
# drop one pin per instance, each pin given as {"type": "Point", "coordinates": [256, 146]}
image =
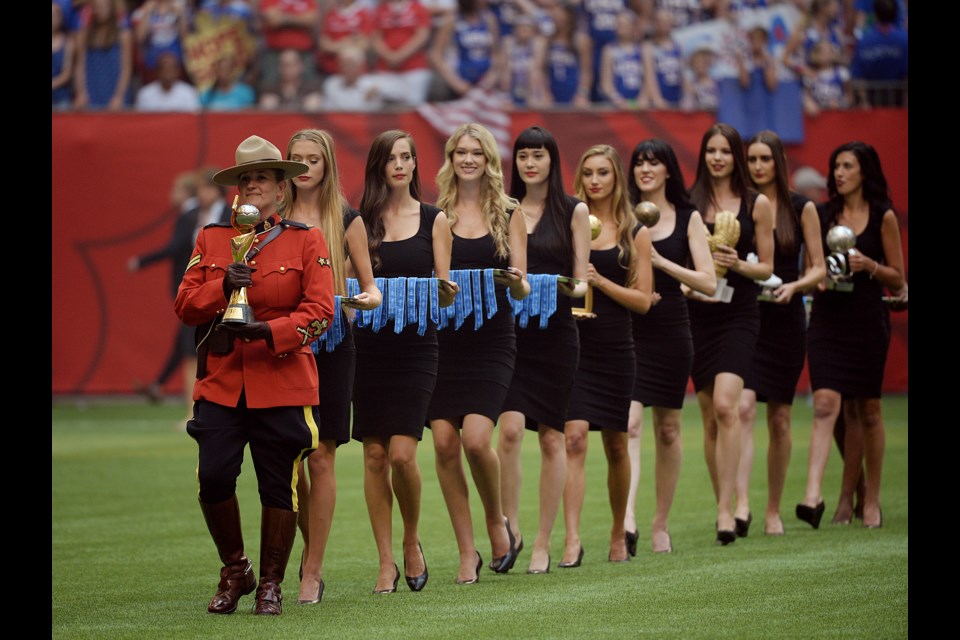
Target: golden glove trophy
{"type": "Point", "coordinates": [726, 233]}
{"type": "Point", "coordinates": [244, 219]}
{"type": "Point", "coordinates": [840, 241]}
{"type": "Point", "coordinates": [586, 311]}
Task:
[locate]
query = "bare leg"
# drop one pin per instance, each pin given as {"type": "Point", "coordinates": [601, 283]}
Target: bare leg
{"type": "Point", "coordinates": [666, 432]}
{"type": "Point", "coordinates": [320, 503]}
{"type": "Point", "coordinates": [553, 474]}
{"type": "Point", "coordinates": [874, 443]}
{"type": "Point", "coordinates": [635, 435]}
{"type": "Point", "coordinates": [453, 485]}
{"type": "Point", "coordinates": [826, 408]}
{"type": "Point", "coordinates": [852, 452]}
{"type": "Point", "coordinates": [618, 487]}
{"type": "Point", "coordinates": [705, 399]}
{"type": "Point", "coordinates": [379, 498]}
{"type": "Point", "coordinates": [726, 405]}
{"type": "Point", "coordinates": [407, 485]}
{"type": "Point", "coordinates": [508, 451]}
{"type": "Point", "coordinates": [778, 459]}
{"type": "Point", "coordinates": [576, 432]}
{"type": "Point", "coordinates": [477, 436]}
{"type": "Point", "coordinates": [748, 417]}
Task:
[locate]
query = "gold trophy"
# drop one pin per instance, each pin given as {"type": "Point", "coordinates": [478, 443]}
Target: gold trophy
{"type": "Point", "coordinates": [244, 219]}
{"type": "Point", "coordinates": [586, 311]}
{"type": "Point", "coordinates": [726, 233]}
{"type": "Point", "coordinates": [647, 213]}
{"type": "Point", "coordinates": [840, 241]}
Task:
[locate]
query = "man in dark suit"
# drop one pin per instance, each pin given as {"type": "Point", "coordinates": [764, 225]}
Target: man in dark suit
{"type": "Point", "coordinates": [205, 205]}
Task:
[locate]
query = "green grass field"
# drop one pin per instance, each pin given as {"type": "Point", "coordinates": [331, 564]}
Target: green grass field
{"type": "Point", "coordinates": [132, 557]}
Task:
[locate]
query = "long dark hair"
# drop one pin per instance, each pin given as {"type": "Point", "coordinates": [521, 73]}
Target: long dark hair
{"type": "Point", "coordinates": [553, 230]}
{"type": "Point", "coordinates": [873, 182]}
{"type": "Point", "coordinates": [787, 218]}
{"type": "Point", "coordinates": [660, 150]}
{"type": "Point", "coordinates": [375, 188]}
{"type": "Point", "coordinates": [701, 192]}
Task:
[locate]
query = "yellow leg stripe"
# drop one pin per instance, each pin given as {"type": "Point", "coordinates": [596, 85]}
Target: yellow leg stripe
{"type": "Point", "coordinates": [314, 443]}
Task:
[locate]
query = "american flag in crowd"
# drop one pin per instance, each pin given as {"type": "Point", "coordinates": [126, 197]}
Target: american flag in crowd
{"type": "Point", "coordinates": [483, 107]}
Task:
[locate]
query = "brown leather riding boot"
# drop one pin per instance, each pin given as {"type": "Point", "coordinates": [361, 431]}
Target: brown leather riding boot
{"type": "Point", "coordinates": [236, 576]}
{"type": "Point", "coordinates": [278, 529]}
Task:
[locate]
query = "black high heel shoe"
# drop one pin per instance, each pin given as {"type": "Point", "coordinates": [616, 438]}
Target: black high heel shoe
{"type": "Point", "coordinates": [726, 536]}
{"type": "Point", "coordinates": [504, 563]}
{"type": "Point", "coordinates": [417, 583]}
{"type": "Point", "coordinates": [396, 581]}
{"type": "Point", "coordinates": [811, 515]}
{"type": "Point", "coordinates": [742, 527]}
{"type": "Point", "coordinates": [575, 563]}
{"type": "Point", "coordinates": [477, 577]}
{"type": "Point", "coordinates": [319, 595]}
{"type": "Point", "coordinates": [632, 537]}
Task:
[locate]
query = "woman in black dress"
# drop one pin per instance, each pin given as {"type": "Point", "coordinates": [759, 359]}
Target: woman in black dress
{"type": "Point", "coordinates": [725, 333]}
{"type": "Point", "coordinates": [781, 346]}
{"type": "Point", "coordinates": [620, 274]}
{"type": "Point", "coordinates": [476, 364]}
{"type": "Point", "coordinates": [396, 372]}
{"type": "Point", "coordinates": [316, 199]}
{"type": "Point", "coordinates": [662, 339]}
{"type": "Point", "coordinates": [558, 242]}
{"type": "Point", "coordinates": [849, 331]}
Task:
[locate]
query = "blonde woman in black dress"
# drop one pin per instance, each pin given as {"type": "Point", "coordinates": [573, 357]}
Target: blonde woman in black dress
{"type": "Point", "coordinates": [620, 274]}
{"type": "Point", "coordinates": [316, 199]}
{"type": "Point", "coordinates": [781, 345]}
{"type": "Point", "coordinates": [476, 365]}
{"type": "Point", "coordinates": [558, 242]}
{"type": "Point", "coordinates": [725, 333]}
{"type": "Point", "coordinates": [396, 372]}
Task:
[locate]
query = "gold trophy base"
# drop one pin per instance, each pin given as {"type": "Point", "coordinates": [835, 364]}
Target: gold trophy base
{"type": "Point", "coordinates": [839, 285]}
{"type": "Point", "coordinates": [767, 296]}
{"type": "Point", "coordinates": [238, 314]}
{"type": "Point", "coordinates": [586, 311]}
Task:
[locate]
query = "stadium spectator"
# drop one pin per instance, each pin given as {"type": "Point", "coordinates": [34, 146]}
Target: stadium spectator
{"type": "Point", "coordinates": [104, 57]}
{"type": "Point", "coordinates": [346, 24]}
{"type": "Point", "coordinates": [287, 24]}
{"type": "Point", "coordinates": [701, 92]}
{"type": "Point", "coordinates": [353, 89]}
{"type": "Point", "coordinates": [809, 183]}
{"type": "Point", "coordinates": [63, 55]}
{"type": "Point", "coordinates": [293, 90]}
{"type": "Point", "coordinates": [228, 93]}
{"type": "Point", "coordinates": [599, 19]}
{"type": "Point", "coordinates": [168, 92]}
{"type": "Point", "coordinates": [401, 33]}
{"type": "Point", "coordinates": [820, 23]}
{"type": "Point", "coordinates": [160, 26]}
{"type": "Point", "coordinates": [667, 59]}
{"type": "Point", "coordinates": [625, 73]}
{"type": "Point", "coordinates": [525, 51]}
{"type": "Point", "coordinates": [830, 87]}
{"type": "Point", "coordinates": [474, 34]}
{"type": "Point", "coordinates": [569, 60]}
{"type": "Point", "coordinates": [229, 9]}
{"type": "Point", "coordinates": [686, 12]}
{"type": "Point", "coordinates": [881, 57]}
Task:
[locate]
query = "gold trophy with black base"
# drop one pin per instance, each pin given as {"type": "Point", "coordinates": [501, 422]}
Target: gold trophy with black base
{"type": "Point", "coordinates": [244, 219]}
{"type": "Point", "coordinates": [586, 311]}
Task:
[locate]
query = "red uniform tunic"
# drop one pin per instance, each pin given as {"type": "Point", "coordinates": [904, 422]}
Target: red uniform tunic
{"type": "Point", "coordinates": [292, 291]}
{"type": "Point", "coordinates": [397, 23]}
{"type": "Point", "coordinates": [339, 23]}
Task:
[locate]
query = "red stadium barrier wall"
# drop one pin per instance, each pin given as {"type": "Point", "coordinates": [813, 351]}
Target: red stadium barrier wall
{"type": "Point", "coordinates": [112, 175]}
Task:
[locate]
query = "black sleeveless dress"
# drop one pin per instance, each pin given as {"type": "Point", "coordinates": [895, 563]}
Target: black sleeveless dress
{"type": "Point", "coordinates": [849, 332]}
{"type": "Point", "coordinates": [725, 333]}
{"type": "Point", "coordinates": [475, 365]}
{"type": "Point", "coordinates": [546, 358]}
{"type": "Point", "coordinates": [396, 372]}
{"type": "Point", "coordinates": [336, 370]}
{"type": "Point", "coordinates": [604, 380]}
{"type": "Point", "coordinates": [662, 339]}
{"type": "Point", "coordinates": [781, 345]}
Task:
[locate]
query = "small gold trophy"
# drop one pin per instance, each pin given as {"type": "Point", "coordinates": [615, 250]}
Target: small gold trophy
{"type": "Point", "coordinates": [840, 241]}
{"type": "Point", "coordinates": [586, 311]}
{"type": "Point", "coordinates": [726, 233]}
{"type": "Point", "coordinates": [244, 219]}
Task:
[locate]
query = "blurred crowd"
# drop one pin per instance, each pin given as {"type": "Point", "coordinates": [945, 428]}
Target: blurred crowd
{"type": "Point", "coordinates": [368, 55]}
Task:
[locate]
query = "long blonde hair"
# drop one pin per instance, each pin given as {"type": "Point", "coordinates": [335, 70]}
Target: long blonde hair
{"type": "Point", "coordinates": [494, 202]}
{"type": "Point", "coordinates": [622, 208]}
{"type": "Point", "coordinates": [332, 202]}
